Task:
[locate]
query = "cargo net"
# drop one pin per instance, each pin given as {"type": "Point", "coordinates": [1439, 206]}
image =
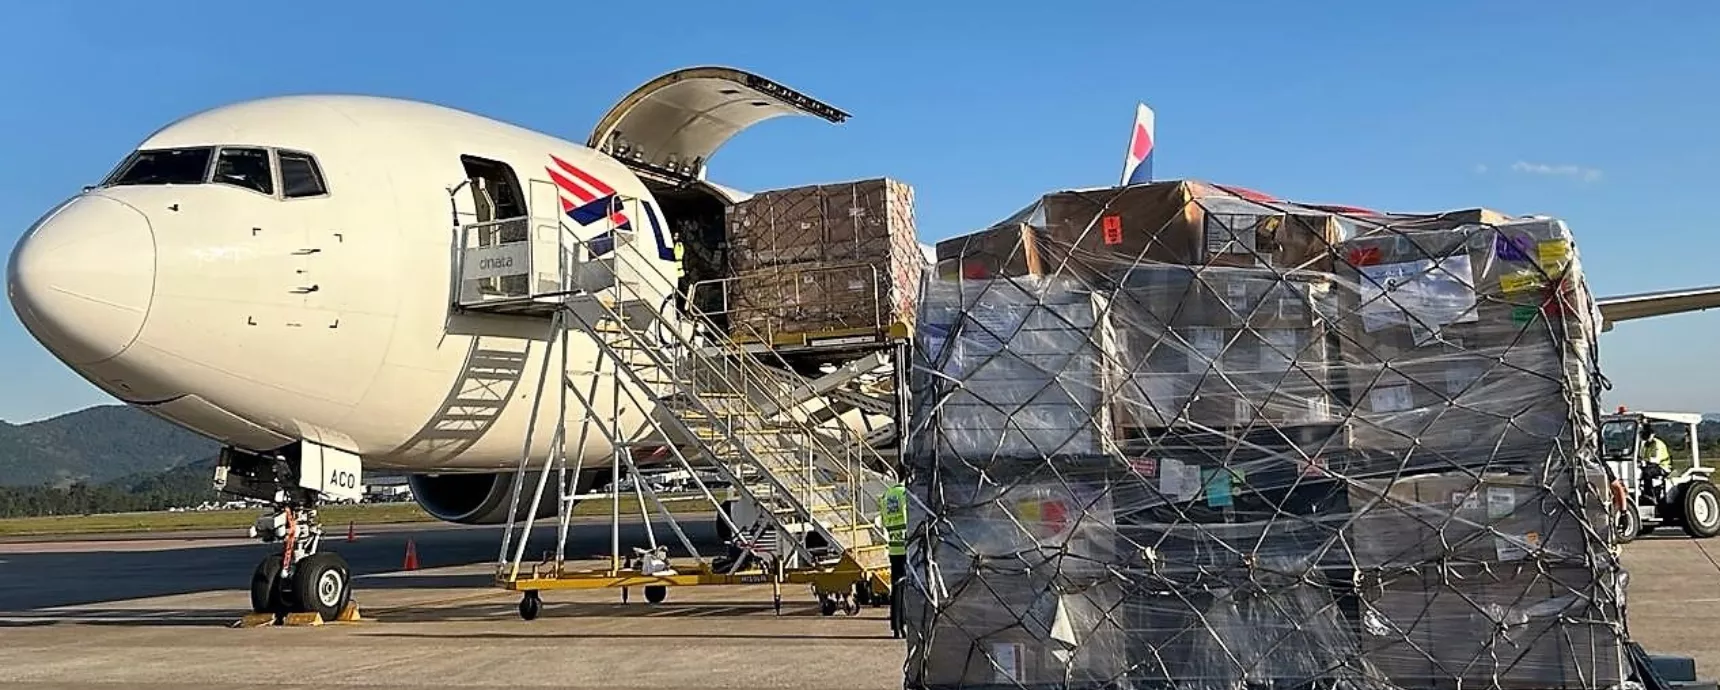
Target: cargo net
{"type": "Point", "coordinates": [1174, 437]}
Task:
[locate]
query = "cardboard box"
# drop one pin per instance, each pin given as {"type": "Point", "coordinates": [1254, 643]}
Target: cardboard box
{"type": "Point", "coordinates": [1027, 597]}
{"type": "Point", "coordinates": [1099, 236]}
{"type": "Point", "coordinates": [1190, 223]}
{"type": "Point", "coordinates": [1462, 337]}
{"type": "Point", "coordinates": [1020, 249]}
{"type": "Point", "coordinates": [1223, 347]}
{"type": "Point", "coordinates": [1218, 637]}
{"type": "Point", "coordinates": [850, 222]}
{"type": "Point", "coordinates": [1019, 371]}
{"type": "Point", "coordinates": [818, 297]}
{"type": "Point", "coordinates": [1006, 250]}
{"type": "Point", "coordinates": [1516, 629]}
{"type": "Point", "coordinates": [1154, 296]}
{"type": "Point", "coordinates": [777, 227]}
{"type": "Point", "coordinates": [1452, 517]}
{"type": "Point", "coordinates": [1400, 222]}
{"type": "Point", "coordinates": [868, 219]}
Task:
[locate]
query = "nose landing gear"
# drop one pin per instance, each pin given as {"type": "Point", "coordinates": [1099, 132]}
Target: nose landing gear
{"type": "Point", "coordinates": [298, 578]}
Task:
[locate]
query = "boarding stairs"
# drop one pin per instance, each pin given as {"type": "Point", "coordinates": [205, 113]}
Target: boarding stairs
{"type": "Point", "coordinates": [711, 404]}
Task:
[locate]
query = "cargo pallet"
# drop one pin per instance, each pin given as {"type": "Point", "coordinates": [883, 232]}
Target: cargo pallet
{"type": "Point", "coordinates": [695, 404]}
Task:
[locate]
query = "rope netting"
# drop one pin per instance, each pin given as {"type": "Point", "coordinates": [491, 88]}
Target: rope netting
{"type": "Point", "coordinates": [1168, 436]}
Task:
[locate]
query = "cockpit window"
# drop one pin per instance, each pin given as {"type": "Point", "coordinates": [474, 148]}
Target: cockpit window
{"type": "Point", "coordinates": [300, 176]}
{"type": "Point", "coordinates": [248, 168]}
{"type": "Point", "coordinates": [165, 166]}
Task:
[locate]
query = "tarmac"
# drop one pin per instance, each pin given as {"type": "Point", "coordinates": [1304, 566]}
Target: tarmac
{"type": "Point", "coordinates": [153, 612]}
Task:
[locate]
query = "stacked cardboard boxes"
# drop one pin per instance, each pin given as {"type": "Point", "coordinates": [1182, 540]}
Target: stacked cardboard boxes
{"type": "Point", "coordinates": [1223, 347]}
{"type": "Point", "coordinates": [1025, 570]}
{"type": "Point", "coordinates": [1466, 337]}
{"type": "Point", "coordinates": [1379, 472]}
{"type": "Point", "coordinates": [1097, 235]}
{"type": "Point", "coordinates": [824, 257]}
{"type": "Point", "coordinates": [1031, 365]}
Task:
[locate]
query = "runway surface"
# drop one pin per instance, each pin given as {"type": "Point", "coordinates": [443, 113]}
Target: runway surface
{"type": "Point", "coordinates": [152, 613]}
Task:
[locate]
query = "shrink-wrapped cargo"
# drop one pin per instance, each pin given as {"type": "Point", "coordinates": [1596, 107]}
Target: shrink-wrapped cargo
{"type": "Point", "coordinates": [1362, 455]}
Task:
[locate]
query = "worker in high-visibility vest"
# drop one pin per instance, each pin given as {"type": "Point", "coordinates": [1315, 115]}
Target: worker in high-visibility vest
{"type": "Point", "coordinates": [1654, 450]}
{"type": "Point", "coordinates": [1655, 463]}
{"type": "Point", "coordinates": [893, 513]}
{"type": "Point", "coordinates": [680, 274]}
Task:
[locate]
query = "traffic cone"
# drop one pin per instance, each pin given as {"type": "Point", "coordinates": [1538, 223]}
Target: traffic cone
{"type": "Point", "coordinates": [351, 533]}
{"type": "Point", "coordinates": [411, 556]}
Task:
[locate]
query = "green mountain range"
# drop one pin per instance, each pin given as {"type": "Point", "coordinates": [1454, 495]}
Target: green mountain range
{"type": "Point", "coordinates": [97, 445]}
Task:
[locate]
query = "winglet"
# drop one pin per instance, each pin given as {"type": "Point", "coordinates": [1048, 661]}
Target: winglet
{"type": "Point", "coordinates": [1138, 164]}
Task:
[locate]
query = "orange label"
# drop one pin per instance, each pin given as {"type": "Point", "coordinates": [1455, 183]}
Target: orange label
{"type": "Point", "coordinates": [1113, 227]}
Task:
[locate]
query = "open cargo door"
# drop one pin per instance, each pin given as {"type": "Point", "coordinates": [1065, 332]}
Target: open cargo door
{"type": "Point", "coordinates": [673, 124]}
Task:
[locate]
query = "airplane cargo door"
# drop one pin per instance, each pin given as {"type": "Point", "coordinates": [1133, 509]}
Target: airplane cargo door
{"type": "Point", "coordinates": [672, 125]}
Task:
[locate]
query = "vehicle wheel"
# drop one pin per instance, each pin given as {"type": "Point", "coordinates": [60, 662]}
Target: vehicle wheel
{"type": "Point", "coordinates": [322, 584]}
{"type": "Point", "coordinates": [1627, 525]}
{"type": "Point", "coordinates": [530, 606]}
{"type": "Point", "coordinates": [1701, 508]}
{"type": "Point", "coordinates": [863, 592]}
{"type": "Point", "coordinates": [826, 606]}
{"type": "Point", "coordinates": [266, 595]}
{"type": "Point", "coordinates": [656, 593]}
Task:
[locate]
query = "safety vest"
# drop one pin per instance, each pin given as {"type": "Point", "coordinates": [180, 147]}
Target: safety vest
{"type": "Point", "coordinates": [1655, 449]}
{"type": "Point", "coordinates": [893, 511]}
{"type": "Point", "coordinates": [680, 259]}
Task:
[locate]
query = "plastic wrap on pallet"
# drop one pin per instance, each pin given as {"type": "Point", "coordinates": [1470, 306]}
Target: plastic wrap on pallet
{"type": "Point", "coordinates": [1230, 442]}
{"type": "Point", "coordinates": [824, 257]}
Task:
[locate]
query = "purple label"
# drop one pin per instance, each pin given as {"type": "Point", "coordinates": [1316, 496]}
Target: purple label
{"type": "Point", "coordinates": [1513, 248]}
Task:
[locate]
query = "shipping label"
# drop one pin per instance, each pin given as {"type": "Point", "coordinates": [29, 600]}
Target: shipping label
{"type": "Point", "coordinates": [1517, 248]}
{"type": "Point", "coordinates": [1430, 293]}
{"type": "Point", "coordinates": [1554, 255]}
{"type": "Point", "coordinates": [1518, 282]}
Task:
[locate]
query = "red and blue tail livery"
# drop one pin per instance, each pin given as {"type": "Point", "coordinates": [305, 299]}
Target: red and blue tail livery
{"type": "Point", "coordinates": [1138, 165]}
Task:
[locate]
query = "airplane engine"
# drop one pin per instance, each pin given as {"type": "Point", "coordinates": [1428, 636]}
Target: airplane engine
{"type": "Point", "coordinates": [482, 499]}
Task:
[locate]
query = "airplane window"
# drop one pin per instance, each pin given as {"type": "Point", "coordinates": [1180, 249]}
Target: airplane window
{"type": "Point", "coordinates": [299, 176]}
{"type": "Point", "coordinates": [164, 166]}
{"type": "Point", "coordinates": [248, 168]}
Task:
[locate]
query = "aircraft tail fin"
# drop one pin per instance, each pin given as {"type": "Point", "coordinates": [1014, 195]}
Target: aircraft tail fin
{"type": "Point", "coordinates": [1138, 164]}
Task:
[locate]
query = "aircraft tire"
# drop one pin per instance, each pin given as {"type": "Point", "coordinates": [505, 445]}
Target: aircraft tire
{"type": "Point", "coordinates": [322, 584]}
{"type": "Point", "coordinates": [266, 590]}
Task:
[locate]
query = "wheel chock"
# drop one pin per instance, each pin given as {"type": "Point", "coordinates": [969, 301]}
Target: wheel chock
{"type": "Point", "coordinates": [303, 619]}
{"type": "Point", "coordinates": [259, 620]}
{"type": "Point", "coordinates": [349, 614]}
{"type": "Point", "coordinates": [255, 620]}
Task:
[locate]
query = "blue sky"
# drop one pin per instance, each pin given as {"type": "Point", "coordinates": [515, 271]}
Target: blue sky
{"type": "Point", "coordinates": [1599, 112]}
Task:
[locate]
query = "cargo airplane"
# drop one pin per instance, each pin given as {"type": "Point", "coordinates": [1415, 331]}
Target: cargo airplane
{"type": "Point", "coordinates": [277, 275]}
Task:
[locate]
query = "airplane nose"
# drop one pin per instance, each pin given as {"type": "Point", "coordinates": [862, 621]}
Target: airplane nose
{"type": "Point", "coordinates": [82, 278]}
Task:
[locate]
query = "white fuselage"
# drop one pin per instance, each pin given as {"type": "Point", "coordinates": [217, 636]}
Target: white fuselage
{"type": "Point", "coordinates": [260, 320]}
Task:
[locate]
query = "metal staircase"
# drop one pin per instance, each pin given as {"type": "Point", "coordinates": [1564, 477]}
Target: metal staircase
{"type": "Point", "coordinates": [711, 404]}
